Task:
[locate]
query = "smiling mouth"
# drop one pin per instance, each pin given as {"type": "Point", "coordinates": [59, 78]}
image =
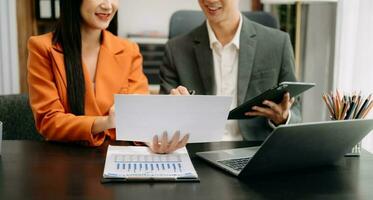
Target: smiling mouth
{"type": "Point", "coordinates": [213, 9]}
{"type": "Point", "coordinates": [103, 16]}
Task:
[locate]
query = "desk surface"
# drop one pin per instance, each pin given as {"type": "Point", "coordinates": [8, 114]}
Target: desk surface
{"type": "Point", "coordinates": [42, 170]}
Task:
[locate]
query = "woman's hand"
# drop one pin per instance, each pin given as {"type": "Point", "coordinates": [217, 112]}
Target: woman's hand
{"type": "Point", "coordinates": [163, 146]}
{"type": "Point", "coordinates": [111, 118]}
{"type": "Point", "coordinates": [104, 123]}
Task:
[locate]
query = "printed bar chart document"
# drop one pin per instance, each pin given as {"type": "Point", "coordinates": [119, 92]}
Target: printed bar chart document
{"type": "Point", "coordinates": [140, 117]}
{"type": "Point", "coordinates": [129, 163]}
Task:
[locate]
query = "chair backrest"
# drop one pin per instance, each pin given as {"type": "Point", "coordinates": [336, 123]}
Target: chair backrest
{"type": "Point", "coordinates": [17, 118]}
{"type": "Point", "coordinates": [184, 21]}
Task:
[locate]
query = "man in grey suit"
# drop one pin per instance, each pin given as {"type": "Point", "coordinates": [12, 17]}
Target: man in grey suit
{"type": "Point", "coordinates": [233, 56]}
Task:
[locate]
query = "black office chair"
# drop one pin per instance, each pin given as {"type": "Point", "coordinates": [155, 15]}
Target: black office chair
{"type": "Point", "coordinates": [184, 21]}
{"type": "Point", "coordinates": [17, 118]}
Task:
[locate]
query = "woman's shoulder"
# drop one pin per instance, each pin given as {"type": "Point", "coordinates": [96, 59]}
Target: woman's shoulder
{"type": "Point", "coordinates": [40, 41]}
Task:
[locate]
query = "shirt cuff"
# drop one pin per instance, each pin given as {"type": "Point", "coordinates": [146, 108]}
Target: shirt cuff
{"type": "Point", "coordinates": [272, 125]}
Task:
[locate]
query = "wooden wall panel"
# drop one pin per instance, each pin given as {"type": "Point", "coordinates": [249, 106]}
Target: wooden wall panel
{"type": "Point", "coordinates": [26, 27]}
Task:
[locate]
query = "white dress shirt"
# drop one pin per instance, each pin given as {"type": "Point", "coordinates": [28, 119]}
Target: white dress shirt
{"type": "Point", "coordinates": [226, 75]}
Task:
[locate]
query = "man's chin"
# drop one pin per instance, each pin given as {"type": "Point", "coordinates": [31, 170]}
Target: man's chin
{"type": "Point", "coordinates": [214, 19]}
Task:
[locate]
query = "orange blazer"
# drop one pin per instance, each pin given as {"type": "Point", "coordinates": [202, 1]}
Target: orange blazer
{"type": "Point", "coordinates": [119, 71]}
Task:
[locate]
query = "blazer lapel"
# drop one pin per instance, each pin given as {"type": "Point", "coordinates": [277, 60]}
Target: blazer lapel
{"type": "Point", "coordinates": [203, 54]}
{"type": "Point", "coordinates": [58, 57]}
{"type": "Point", "coordinates": [109, 73]}
{"type": "Point", "coordinates": [246, 58]}
{"type": "Point", "coordinates": [91, 107]}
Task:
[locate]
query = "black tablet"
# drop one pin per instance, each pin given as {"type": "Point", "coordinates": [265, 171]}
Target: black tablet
{"type": "Point", "coordinates": [275, 94]}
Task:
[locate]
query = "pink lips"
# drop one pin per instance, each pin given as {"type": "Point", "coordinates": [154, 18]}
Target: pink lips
{"type": "Point", "coordinates": [213, 11]}
{"type": "Point", "coordinates": [103, 16]}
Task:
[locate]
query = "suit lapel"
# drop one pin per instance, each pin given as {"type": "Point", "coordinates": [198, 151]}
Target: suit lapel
{"type": "Point", "coordinates": [91, 107]}
{"type": "Point", "coordinates": [109, 73]}
{"type": "Point", "coordinates": [203, 54]}
{"type": "Point", "coordinates": [246, 58]}
{"type": "Point", "coordinates": [58, 57]}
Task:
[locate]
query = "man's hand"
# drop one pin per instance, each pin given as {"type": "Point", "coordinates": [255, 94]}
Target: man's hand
{"type": "Point", "coordinates": [277, 113]}
{"type": "Point", "coordinates": [163, 146]}
{"type": "Point", "coordinates": [181, 90]}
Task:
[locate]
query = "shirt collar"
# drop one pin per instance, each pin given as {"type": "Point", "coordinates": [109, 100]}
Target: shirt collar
{"type": "Point", "coordinates": [235, 41]}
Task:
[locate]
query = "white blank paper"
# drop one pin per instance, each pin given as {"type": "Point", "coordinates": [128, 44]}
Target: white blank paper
{"type": "Point", "coordinates": [140, 117]}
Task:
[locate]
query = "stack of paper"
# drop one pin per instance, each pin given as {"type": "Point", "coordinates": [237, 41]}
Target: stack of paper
{"type": "Point", "coordinates": [128, 163]}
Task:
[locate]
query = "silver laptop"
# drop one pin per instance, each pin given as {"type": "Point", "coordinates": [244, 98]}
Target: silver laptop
{"type": "Point", "coordinates": [292, 147]}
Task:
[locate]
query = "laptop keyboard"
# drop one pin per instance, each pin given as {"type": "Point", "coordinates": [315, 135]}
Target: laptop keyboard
{"type": "Point", "coordinates": [236, 164]}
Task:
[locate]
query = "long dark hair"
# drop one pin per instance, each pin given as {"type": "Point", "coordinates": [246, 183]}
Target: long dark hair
{"type": "Point", "coordinates": [67, 34]}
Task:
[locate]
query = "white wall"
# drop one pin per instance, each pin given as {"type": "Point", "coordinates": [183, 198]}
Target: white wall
{"type": "Point", "coordinates": [9, 68]}
{"type": "Point", "coordinates": [354, 47]}
{"type": "Point", "coordinates": [154, 15]}
{"type": "Point", "coordinates": [318, 58]}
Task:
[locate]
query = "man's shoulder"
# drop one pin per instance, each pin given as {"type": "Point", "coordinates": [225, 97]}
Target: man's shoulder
{"type": "Point", "coordinates": [188, 39]}
{"type": "Point", "coordinates": [267, 33]}
{"type": "Point", "coordinates": [181, 39]}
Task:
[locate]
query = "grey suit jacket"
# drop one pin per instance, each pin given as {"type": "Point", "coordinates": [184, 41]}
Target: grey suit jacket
{"type": "Point", "coordinates": [265, 59]}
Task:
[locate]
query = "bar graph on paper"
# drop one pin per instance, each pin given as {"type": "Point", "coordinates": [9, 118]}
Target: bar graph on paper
{"type": "Point", "coordinates": [149, 165]}
{"type": "Point", "coordinates": [138, 162]}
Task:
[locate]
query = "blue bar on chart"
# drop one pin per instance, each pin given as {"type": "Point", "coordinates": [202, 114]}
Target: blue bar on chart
{"type": "Point", "coordinates": [143, 164]}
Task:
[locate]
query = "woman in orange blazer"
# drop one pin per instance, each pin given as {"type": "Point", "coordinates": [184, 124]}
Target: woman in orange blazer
{"type": "Point", "coordinates": [74, 71]}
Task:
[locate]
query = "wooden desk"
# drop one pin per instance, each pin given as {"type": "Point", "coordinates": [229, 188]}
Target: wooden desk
{"type": "Point", "coordinates": [43, 170]}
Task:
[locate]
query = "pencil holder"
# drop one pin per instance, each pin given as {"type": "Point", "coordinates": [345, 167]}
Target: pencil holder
{"type": "Point", "coordinates": [344, 106]}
